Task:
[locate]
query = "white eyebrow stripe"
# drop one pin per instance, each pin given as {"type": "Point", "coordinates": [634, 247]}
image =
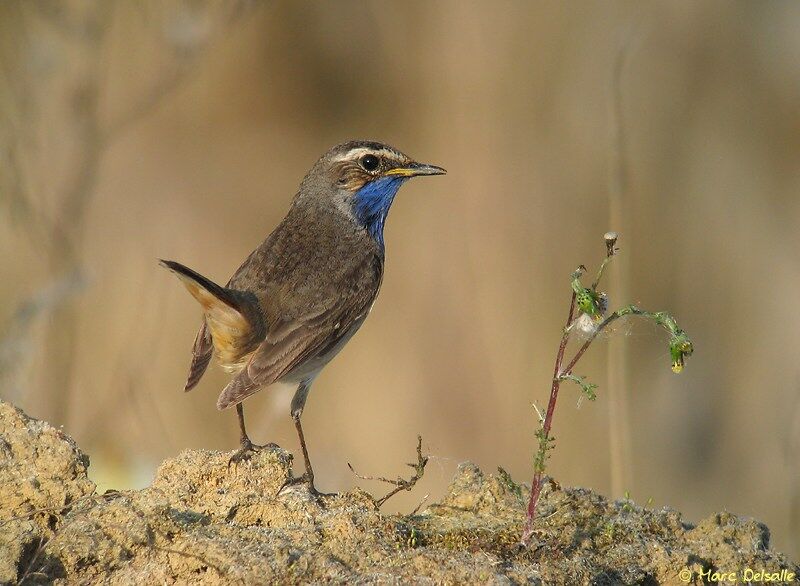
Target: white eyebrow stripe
{"type": "Point", "coordinates": [361, 151]}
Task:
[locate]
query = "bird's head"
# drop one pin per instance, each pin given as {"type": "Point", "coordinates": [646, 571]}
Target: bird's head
{"type": "Point", "coordinates": [362, 178]}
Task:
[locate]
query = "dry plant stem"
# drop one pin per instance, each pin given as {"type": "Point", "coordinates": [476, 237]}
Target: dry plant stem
{"type": "Point", "coordinates": [536, 483]}
{"type": "Point", "coordinates": [400, 484]}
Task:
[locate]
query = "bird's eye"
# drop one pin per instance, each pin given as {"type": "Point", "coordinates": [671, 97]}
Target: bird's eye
{"type": "Point", "coordinates": [369, 163]}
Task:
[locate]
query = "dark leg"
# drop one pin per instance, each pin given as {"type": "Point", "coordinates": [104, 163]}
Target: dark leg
{"type": "Point", "coordinates": [247, 448]}
{"type": "Point", "coordinates": [308, 477]}
{"type": "Point", "coordinates": [298, 402]}
{"type": "Point", "coordinates": [243, 439]}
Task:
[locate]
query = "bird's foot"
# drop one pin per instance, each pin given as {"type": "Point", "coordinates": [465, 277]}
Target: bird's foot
{"type": "Point", "coordinates": [247, 450]}
{"type": "Point", "coordinates": [297, 480]}
{"type": "Point", "coordinates": [309, 482]}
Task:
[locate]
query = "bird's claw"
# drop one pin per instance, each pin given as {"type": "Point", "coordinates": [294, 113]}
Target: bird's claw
{"type": "Point", "coordinates": [308, 481]}
{"type": "Point", "coordinates": [247, 450]}
{"type": "Point", "coordinates": [295, 480]}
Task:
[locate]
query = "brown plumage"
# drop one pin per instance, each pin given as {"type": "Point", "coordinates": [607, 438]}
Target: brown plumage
{"type": "Point", "coordinates": [301, 295]}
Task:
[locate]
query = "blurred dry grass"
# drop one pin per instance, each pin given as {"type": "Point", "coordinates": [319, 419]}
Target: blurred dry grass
{"type": "Point", "coordinates": [131, 131]}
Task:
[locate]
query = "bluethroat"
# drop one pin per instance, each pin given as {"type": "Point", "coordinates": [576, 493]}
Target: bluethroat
{"type": "Point", "coordinates": [302, 294]}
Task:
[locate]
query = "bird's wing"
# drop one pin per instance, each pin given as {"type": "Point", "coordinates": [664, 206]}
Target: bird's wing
{"type": "Point", "coordinates": [291, 342]}
{"type": "Point", "coordinates": [201, 355]}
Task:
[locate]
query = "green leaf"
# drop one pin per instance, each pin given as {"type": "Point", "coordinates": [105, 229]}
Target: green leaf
{"type": "Point", "coordinates": [587, 388]}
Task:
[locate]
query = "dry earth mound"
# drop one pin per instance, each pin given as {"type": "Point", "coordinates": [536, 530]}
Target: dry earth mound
{"type": "Point", "coordinates": [203, 522]}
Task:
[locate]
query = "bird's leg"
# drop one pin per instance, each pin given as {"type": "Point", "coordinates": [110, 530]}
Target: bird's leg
{"type": "Point", "coordinates": [247, 448]}
{"type": "Point", "coordinates": [308, 477]}
{"type": "Point", "coordinates": [298, 402]}
{"type": "Point", "coordinates": [244, 439]}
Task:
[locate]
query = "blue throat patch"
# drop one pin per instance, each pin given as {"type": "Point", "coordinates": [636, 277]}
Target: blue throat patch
{"type": "Point", "coordinates": [371, 204]}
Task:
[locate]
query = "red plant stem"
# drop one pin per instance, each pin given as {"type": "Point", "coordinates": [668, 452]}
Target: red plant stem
{"type": "Point", "coordinates": [558, 375]}
{"type": "Point", "coordinates": [536, 483]}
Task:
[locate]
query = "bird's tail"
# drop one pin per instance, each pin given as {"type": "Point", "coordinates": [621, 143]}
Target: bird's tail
{"type": "Point", "coordinates": [228, 320]}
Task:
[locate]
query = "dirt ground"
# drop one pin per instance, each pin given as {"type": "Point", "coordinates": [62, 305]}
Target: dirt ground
{"type": "Point", "coordinates": [202, 521]}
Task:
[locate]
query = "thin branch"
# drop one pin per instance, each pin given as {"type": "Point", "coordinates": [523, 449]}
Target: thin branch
{"type": "Point", "coordinates": [400, 484]}
{"type": "Point", "coordinates": [419, 506]}
{"type": "Point", "coordinates": [611, 251]}
{"type": "Point", "coordinates": [679, 345]}
{"type": "Point", "coordinates": [603, 324]}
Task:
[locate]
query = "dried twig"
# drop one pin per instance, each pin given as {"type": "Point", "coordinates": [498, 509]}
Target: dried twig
{"type": "Point", "coordinates": [419, 506]}
{"type": "Point", "coordinates": [400, 484]}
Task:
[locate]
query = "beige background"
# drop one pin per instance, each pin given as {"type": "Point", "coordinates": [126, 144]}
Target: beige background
{"type": "Point", "coordinates": [133, 131]}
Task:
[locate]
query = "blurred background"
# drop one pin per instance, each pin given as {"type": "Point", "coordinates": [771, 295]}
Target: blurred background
{"type": "Point", "coordinates": [131, 131]}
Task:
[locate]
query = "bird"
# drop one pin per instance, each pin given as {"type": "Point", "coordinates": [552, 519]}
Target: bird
{"type": "Point", "coordinates": [300, 296]}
